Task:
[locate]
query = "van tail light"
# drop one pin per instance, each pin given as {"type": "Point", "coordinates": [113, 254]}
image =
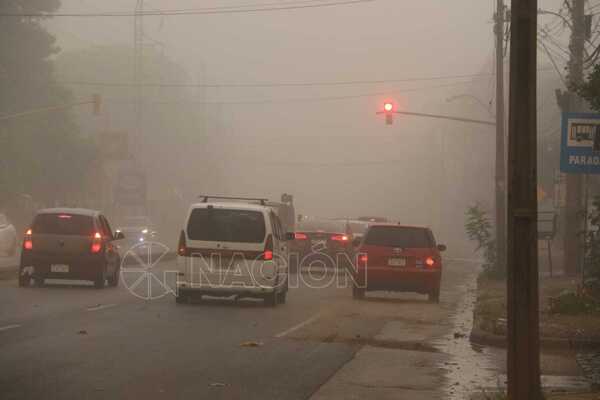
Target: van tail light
{"type": "Point", "coordinates": [300, 236]}
{"type": "Point", "coordinates": [27, 241]}
{"type": "Point", "coordinates": [340, 238]}
{"type": "Point", "coordinates": [268, 253]}
{"type": "Point", "coordinates": [96, 243]}
{"type": "Point", "coordinates": [182, 246]}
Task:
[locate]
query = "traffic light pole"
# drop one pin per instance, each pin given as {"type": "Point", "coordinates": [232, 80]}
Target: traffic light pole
{"type": "Point", "coordinates": [523, 361]}
{"type": "Point", "coordinates": [437, 116]}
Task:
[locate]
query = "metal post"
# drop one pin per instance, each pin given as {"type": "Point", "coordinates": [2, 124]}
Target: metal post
{"type": "Point", "coordinates": [523, 362]}
{"type": "Point", "coordinates": [500, 132]}
{"type": "Point", "coordinates": [586, 194]}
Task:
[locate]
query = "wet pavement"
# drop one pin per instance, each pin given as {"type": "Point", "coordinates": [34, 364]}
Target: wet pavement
{"type": "Point", "coordinates": [473, 368]}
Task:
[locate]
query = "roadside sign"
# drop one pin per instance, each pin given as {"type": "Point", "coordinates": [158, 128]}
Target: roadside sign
{"type": "Point", "coordinates": [580, 143]}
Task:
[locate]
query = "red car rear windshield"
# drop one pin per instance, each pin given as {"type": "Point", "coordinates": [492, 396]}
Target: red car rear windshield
{"type": "Point", "coordinates": [398, 236]}
{"type": "Point", "coordinates": [63, 224]}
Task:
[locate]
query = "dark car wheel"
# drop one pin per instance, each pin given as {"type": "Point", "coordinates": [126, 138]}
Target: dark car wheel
{"type": "Point", "coordinates": [39, 281]}
{"type": "Point", "coordinates": [113, 281]}
{"type": "Point", "coordinates": [358, 293]}
{"type": "Point", "coordinates": [434, 296]}
{"type": "Point", "coordinates": [101, 280]}
{"type": "Point", "coordinates": [24, 280]}
{"type": "Point", "coordinates": [181, 298]}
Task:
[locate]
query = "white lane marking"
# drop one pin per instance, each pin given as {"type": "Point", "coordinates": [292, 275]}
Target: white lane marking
{"type": "Point", "coordinates": [300, 325]}
{"type": "Point", "coordinates": [7, 327]}
{"type": "Point", "coordinates": [101, 307]}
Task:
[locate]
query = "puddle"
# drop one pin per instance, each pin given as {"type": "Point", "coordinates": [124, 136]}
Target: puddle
{"type": "Point", "coordinates": [473, 368]}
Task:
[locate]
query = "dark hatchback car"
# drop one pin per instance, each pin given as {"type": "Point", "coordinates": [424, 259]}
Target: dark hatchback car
{"type": "Point", "coordinates": [322, 241]}
{"type": "Point", "coordinates": [399, 258]}
{"type": "Point", "coordinates": [70, 243]}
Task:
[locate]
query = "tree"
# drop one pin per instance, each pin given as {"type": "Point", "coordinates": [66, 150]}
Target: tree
{"type": "Point", "coordinates": [590, 89]}
{"type": "Point", "coordinates": [42, 155]}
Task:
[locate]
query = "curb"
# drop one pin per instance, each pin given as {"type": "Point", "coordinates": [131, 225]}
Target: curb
{"type": "Point", "coordinates": [481, 337]}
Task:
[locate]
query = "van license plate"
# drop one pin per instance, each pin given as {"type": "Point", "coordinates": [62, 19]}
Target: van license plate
{"type": "Point", "coordinates": [397, 262]}
{"type": "Point", "coordinates": [62, 268]}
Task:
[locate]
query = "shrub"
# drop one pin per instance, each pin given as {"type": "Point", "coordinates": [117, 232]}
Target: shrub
{"type": "Point", "coordinates": [479, 230]}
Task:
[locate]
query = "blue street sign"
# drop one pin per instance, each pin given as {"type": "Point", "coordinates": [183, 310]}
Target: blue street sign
{"type": "Point", "coordinates": [580, 143]}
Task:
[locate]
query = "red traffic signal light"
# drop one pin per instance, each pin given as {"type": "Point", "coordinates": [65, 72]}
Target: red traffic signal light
{"type": "Point", "coordinates": [388, 107]}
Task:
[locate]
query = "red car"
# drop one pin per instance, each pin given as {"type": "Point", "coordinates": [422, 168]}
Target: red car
{"type": "Point", "coordinates": [398, 258]}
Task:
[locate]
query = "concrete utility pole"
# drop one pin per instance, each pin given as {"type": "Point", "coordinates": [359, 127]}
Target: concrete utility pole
{"type": "Point", "coordinates": [138, 66]}
{"type": "Point", "coordinates": [500, 132]}
{"type": "Point", "coordinates": [523, 363]}
{"type": "Point", "coordinates": [570, 102]}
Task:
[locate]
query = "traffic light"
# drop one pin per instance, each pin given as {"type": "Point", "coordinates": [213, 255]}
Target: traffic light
{"type": "Point", "coordinates": [96, 104]}
{"type": "Point", "coordinates": [388, 108]}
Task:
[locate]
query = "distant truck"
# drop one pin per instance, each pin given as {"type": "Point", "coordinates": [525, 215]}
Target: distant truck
{"type": "Point", "coordinates": [285, 211]}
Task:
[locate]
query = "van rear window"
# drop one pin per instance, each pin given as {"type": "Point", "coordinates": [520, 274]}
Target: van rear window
{"type": "Point", "coordinates": [397, 236]}
{"type": "Point", "coordinates": [63, 224]}
{"type": "Point", "coordinates": [218, 225]}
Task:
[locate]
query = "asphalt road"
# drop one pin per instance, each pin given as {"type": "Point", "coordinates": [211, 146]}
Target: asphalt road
{"type": "Point", "coordinates": [76, 342]}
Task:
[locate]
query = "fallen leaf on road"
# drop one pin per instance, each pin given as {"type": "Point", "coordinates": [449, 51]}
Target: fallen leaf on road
{"type": "Point", "coordinates": [458, 335]}
{"type": "Point", "coordinates": [251, 344]}
{"type": "Point", "coordinates": [82, 332]}
{"type": "Point", "coordinates": [217, 384]}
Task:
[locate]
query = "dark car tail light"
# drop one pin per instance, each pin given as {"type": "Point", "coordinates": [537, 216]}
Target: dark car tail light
{"type": "Point", "coordinates": [268, 253]}
{"type": "Point", "coordinates": [27, 241]}
{"type": "Point", "coordinates": [96, 243]}
{"type": "Point", "coordinates": [340, 238]}
{"type": "Point", "coordinates": [300, 236]}
{"type": "Point", "coordinates": [362, 260]}
{"type": "Point", "coordinates": [182, 246]}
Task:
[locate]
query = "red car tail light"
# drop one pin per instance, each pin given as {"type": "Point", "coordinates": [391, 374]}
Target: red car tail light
{"type": "Point", "coordinates": [96, 243]}
{"type": "Point", "coordinates": [430, 262]}
{"type": "Point", "coordinates": [300, 236]}
{"type": "Point", "coordinates": [340, 238]}
{"type": "Point", "coordinates": [268, 253]}
{"type": "Point", "coordinates": [27, 242]}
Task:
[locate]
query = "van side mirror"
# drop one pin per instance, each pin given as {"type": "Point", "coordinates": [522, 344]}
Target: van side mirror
{"type": "Point", "coordinates": [118, 235]}
{"type": "Point", "coordinates": [441, 247]}
{"type": "Point", "coordinates": [356, 242]}
{"type": "Point", "coordinates": [290, 236]}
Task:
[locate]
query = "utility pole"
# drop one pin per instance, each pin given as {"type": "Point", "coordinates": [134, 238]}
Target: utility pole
{"type": "Point", "coordinates": [570, 102]}
{"type": "Point", "coordinates": [523, 361]}
{"type": "Point", "coordinates": [138, 67]}
{"type": "Point", "coordinates": [500, 132]}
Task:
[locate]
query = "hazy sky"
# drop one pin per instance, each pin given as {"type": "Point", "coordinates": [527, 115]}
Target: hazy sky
{"type": "Point", "coordinates": [379, 40]}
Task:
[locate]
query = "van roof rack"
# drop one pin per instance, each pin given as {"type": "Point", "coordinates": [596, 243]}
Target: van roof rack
{"type": "Point", "coordinates": [205, 198]}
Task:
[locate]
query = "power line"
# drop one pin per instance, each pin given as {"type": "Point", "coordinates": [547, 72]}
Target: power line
{"type": "Point", "coordinates": [276, 84]}
{"type": "Point", "coordinates": [205, 11]}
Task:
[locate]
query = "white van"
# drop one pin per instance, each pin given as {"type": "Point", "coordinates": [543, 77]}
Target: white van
{"type": "Point", "coordinates": [233, 249]}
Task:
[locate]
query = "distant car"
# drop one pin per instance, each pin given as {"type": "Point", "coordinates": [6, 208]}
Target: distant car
{"type": "Point", "coordinates": [70, 243]}
{"type": "Point", "coordinates": [398, 258]}
{"type": "Point", "coordinates": [137, 231]}
{"type": "Point", "coordinates": [231, 249]}
{"type": "Point", "coordinates": [322, 242]}
{"type": "Point", "coordinates": [373, 219]}
{"type": "Point", "coordinates": [8, 237]}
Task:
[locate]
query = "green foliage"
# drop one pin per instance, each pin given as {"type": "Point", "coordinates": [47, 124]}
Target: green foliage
{"type": "Point", "coordinates": [590, 89]}
{"type": "Point", "coordinates": [572, 303]}
{"type": "Point", "coordinates": [41, 155]}
{"type": "Point", "coordinates": [479, 229]}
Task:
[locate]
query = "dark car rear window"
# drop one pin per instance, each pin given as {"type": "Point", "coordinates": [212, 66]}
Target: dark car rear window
{"type": "Point", "coordinates": [396, 236]}
{"type": "Point", "coordinates": [63, 224]}
{"type": "Point", "coordinates": [217, 225]}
